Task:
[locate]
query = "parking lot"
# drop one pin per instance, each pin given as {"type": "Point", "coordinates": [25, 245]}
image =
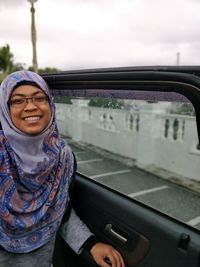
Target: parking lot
{"type": "Point", "coordinates": [165, 196]}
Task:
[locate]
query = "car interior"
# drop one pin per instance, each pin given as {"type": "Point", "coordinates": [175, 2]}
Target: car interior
{"type": "Point", "coordinates": [153, 220]}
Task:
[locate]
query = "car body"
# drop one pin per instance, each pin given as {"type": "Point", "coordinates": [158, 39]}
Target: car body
{"type": "Point", "coordinates": [145, 235]}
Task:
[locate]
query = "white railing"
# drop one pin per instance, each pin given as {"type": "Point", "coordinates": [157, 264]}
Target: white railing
{"type": "Point", "coordinates": [153, 138]}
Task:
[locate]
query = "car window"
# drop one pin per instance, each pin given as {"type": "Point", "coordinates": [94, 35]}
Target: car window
{"type": "Point", "coordinates": [142, 144]}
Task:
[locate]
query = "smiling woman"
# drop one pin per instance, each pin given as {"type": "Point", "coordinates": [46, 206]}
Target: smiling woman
{"type": "Point", "coordinates": [37, 170]}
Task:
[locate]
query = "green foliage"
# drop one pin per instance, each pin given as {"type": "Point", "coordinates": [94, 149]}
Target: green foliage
{"type": "Point", "coordinates": [187, 109]}
{"type": "Point", "coordinates": [105, 103]}
{"type": "Point", "coordinates": [6, 59]}
{"type": "Point", "coordinates": [7, 64]}
{"type": "Point", "coordinates": [184, 109]}
{"type": "Point", "coordinates": [18, 66]}
{"type": "Point", "coordinates": [62, 99]}
{"type": "Point", "coordinates": [45, 70]}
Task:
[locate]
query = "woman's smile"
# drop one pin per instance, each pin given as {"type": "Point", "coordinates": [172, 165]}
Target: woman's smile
{"type": "Point", "coordinates": [32, 118]}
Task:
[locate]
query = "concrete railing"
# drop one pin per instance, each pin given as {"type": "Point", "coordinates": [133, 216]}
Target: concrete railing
{"type": "Point", "coordinates": [151, 137]}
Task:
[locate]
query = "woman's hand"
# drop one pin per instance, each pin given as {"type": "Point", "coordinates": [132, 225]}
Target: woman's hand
{"type": "Point", "coordinates": [101, 251]}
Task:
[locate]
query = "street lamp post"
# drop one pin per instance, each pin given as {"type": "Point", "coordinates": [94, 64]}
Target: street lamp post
{"type": "Point", "coordinates": [33, 35]}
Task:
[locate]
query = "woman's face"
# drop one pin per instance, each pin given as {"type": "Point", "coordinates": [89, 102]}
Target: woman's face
{"type": "Point", "coordinates": [29, 109]}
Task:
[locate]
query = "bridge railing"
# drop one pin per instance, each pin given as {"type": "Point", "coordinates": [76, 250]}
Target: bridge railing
{"type": "Point", "coordinates": [153, 138]}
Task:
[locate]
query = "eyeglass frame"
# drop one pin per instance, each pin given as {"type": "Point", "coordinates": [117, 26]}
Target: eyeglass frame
{"type": "Point", "coordinates": [25, 101]}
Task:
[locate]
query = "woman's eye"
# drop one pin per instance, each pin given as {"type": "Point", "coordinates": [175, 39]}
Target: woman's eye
{"type": "Point", "coordinates": [17, 101]}
{"type": "Point", "coordinates": [40, 99]}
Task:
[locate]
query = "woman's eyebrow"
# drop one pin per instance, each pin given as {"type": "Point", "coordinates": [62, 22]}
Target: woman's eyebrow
{"type": "Point", "coordinates": [24, 95]}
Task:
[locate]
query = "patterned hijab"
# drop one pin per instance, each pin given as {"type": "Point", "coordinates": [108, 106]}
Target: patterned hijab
{"type": "Point", "coordinates": [35, 174]}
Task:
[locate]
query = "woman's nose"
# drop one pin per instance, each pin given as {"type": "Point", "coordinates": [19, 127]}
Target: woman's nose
{"type": "Point", "coordinates": [30, 105]}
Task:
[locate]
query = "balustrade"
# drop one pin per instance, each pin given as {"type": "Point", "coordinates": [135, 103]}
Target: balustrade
{"type": "Point", "coordinates": [174, 127]}
{"type": "Point", "coordinates": [147, 136]}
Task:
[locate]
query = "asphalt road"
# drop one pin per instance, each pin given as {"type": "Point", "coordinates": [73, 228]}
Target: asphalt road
{"type": "Point", "coordinates": [165, 196]}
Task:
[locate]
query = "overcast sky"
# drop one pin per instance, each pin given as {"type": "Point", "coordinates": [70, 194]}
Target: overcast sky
{"type": "Point", "coordinates": [75, 34]}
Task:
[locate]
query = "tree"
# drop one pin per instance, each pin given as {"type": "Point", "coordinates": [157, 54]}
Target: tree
{"type": "Point", "coordinates": [105, 103]}
{"type": "Point", "coordinates": [45, 70]}
{"type": "Point", "coordinates": [6, 59]}
{"type": "Point", "coordinates": [183, 109]}
{"type": "Point", "coordinates": [7, 64]}
{"type": "Point", "coordinates": [62, 99]}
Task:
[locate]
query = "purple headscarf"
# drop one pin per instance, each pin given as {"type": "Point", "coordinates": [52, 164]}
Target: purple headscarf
{"type": "Point", "coordinates": [35, 174]}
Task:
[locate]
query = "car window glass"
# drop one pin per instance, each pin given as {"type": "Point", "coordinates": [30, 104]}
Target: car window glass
{"type": "Point", "coordinates": [142, 144]}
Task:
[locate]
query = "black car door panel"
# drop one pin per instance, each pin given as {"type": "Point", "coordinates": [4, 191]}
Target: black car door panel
{"type": "Point", "coordinates": [150, 239]}
{"type": "Point", "coordinates": [145, 236]}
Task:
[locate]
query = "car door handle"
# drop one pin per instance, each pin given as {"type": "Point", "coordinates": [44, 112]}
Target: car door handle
{"type": "Point", "coordinates": [110, 230]}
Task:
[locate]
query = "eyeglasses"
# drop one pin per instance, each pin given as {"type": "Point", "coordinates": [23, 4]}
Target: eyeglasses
{"type": "Point", "coordinates": [21, 102]}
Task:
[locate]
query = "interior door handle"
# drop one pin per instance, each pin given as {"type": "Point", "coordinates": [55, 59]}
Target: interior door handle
{"type": "Point", "coordinates": [110, 230]}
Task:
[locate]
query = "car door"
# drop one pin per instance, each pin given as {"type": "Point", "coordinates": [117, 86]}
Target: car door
{"type": "Point", "coordinates": [147, 207]}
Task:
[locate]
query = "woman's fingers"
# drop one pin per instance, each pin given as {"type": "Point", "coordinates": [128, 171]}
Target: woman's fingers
{"type": "Point", "coordinates": [116, 259]}
{"type": "Point", "coordinates": [104, 254]}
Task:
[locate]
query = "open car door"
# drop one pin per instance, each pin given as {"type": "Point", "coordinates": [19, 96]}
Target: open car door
{"type": "Point", "coordinates": [137, 186]}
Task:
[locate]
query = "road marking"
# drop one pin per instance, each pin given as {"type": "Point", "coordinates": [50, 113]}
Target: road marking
{"type": "Point", "coordinates": [194, 221]}
{"type": "Point", "coordinates": [147, 191]}
{"type": "Point", "coordinates": [109, 174]}
{"type": "Point", "coordinates": [89, 161]}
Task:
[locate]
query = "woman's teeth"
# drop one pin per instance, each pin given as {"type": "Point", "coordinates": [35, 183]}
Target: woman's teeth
{"type": "Point", "coordinates": [32, 118]}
